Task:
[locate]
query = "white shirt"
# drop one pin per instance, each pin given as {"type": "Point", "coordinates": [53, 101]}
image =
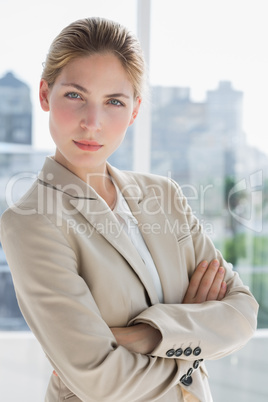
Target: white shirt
{"type": "Point", "coordinates": [130, 226]}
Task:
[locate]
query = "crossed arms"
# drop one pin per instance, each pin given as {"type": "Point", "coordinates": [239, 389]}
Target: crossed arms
{"type": "Point", "coordinates": [206, 284]}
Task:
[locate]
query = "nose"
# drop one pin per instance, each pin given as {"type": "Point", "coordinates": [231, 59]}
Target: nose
{"type": "Point", "coordinates": [91, 118]}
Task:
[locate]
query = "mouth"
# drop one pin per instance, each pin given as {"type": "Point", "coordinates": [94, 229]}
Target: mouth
{"type": "Point", "coordinates": [86, 145]}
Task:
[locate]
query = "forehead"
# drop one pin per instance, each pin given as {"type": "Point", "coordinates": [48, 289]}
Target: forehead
{"type": "Point", "coordinates": [102, 69]}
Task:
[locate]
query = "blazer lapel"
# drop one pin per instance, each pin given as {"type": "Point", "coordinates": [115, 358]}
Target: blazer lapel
{"type": "Point", "coordinates": [157, 232]}
{"type": "Point", "coordinates": [163, 247]}
{"type": "Point", "coordinates": [104, 222]}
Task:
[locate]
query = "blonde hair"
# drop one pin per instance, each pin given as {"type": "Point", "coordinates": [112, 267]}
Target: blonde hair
{"type": "Point", "coordinates": [89, 36]}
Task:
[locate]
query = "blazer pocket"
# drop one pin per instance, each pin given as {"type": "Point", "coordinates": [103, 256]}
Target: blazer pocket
{"type": "Point", "coordinates": [183, 238]}
{"type": "Point", "coordinates": [67, 395]}
{"type": "Point", "coordinates": [71, 397]}
{"type": "Point", "coordinates": [186, 253]}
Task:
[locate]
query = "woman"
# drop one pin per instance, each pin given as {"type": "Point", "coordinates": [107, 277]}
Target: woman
{"type": "Point", "coordinates": [108, 266]}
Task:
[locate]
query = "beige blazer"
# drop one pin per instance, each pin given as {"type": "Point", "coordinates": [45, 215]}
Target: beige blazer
{"type": "Point", "coordinates": [76, 273]}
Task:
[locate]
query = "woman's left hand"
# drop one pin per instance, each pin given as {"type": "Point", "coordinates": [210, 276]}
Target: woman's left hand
{"type": "Point", "coordinates": [206, 284]}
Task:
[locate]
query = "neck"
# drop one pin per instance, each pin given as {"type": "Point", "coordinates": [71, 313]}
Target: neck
{"type": "Point", "coordinates": [97, 178]}
{"type": "Point", "coordinates": [104, 186]}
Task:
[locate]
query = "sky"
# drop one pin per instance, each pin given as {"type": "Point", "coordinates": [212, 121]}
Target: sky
{"type": "Point", "coordinates": [194, 43]}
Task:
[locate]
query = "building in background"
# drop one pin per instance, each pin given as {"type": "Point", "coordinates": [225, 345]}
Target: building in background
{"type": "Point", "coordinates": [176, 122]}
{"type": "Point", "coordinates": [193, 141]}
{"type": "Point", "coordinates": [182, 127]}
{"type": "Point", "coordinates": [15, 111]}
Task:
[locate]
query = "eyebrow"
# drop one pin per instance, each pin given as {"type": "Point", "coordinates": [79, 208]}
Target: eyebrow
{"type": "Point", "coordinates": [117, 95]}
{"type": "Point", "coordinates": [82, 89]}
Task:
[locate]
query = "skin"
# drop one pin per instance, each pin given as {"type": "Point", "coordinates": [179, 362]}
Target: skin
{"type": "Point", "coordinates": [92, 101]}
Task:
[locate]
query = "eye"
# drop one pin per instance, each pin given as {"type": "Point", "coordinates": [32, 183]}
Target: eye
{"type": "Point", "coordinates": [72, 95]}
{"type": "Point", "coordinates": [115, 102]}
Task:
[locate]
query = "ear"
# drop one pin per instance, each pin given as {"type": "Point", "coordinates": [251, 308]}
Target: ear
{"type": "Point", "coordinates": [135, 110]}
{"type": "Point", "coordinates": [43, 95]}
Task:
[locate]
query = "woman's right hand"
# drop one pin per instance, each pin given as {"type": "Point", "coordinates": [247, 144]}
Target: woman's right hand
{"type": "Point", "coordinates": [139, 338]}
{"type": "Point", "coordinates": [206, 284]}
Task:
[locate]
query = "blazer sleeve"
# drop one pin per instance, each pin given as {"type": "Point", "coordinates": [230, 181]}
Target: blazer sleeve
{"type": "Point", "coordinates": [212, 329]}
{"type": "Point", "coordinates": [60, 310]}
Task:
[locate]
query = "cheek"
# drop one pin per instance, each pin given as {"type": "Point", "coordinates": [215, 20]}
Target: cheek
{"type": "Point", "coordinates": [60, 115]}
{"type": "Point", "coordinates": [60, 122]}
{"type": "Point", "coordinates": [120, 122]}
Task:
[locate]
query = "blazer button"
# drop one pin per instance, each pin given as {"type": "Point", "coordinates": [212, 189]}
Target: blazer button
{"type": "Point", "coordinates": [170, 353]}
{"type": "Point", "coordinates": [188, 351]}
{"type": "Point", "coordinates": [178, 352]}
{"type": "Point", "coordinates": [186, 380]}
{"type": "Point", "coordinates": [189, 372]}
{"type": "Point", "coordinates": [197, 351]}
{"type": "Point", "coordinates": [196, 364]}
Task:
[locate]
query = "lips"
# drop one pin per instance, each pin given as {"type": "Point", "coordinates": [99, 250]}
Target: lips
{"type": "Point", "coordinates": [86, 145]}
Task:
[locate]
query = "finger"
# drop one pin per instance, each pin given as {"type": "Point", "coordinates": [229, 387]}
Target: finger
{"type": "Point", "coordinates": [207, 281]}
{"type": "Point", "coordinates": [195, 280]}
{"type": "Point", "coordinates": [215, 288]}
{"type": "Point", "coordinates": [223, 290]}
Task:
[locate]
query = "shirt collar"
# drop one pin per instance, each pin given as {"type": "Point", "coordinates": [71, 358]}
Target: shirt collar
{"type": "Point", "coordinates": [121, 207]}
